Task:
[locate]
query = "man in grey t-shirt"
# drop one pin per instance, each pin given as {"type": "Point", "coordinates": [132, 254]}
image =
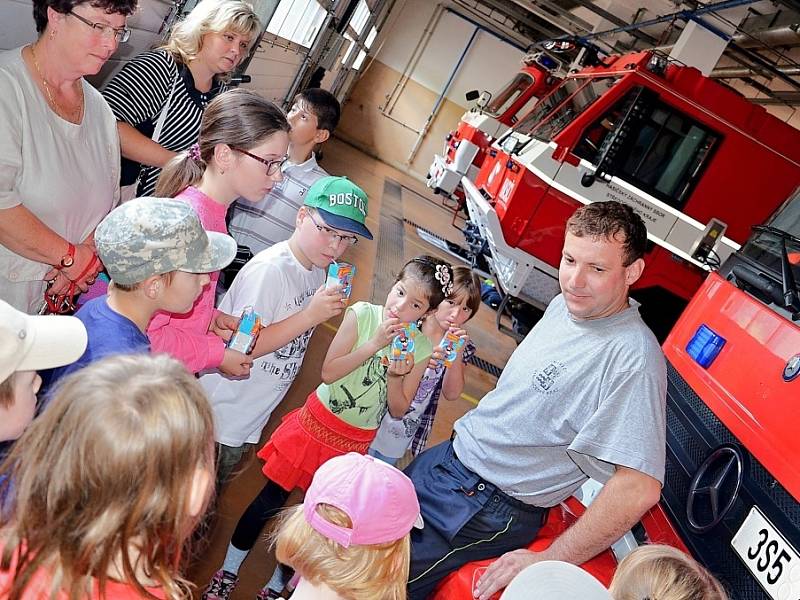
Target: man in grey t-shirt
{"type": "Point", "coordinates": [583, 396]}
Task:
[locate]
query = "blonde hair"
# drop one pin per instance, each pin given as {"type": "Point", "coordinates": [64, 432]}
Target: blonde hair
{"type": "Point", "coordinates": [239, 118]}
{"type": "Point", "coordinates": [211, 16]}
{"type": "Point", "coordinates": [103, 480]}
{"type": "Point", "coordinates": [659, 572]}
{"type": "Point", "coordinates": [375, 572]}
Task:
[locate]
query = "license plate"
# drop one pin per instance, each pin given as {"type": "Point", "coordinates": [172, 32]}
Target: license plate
{"type": "Point", "coordinates": [770, 558]}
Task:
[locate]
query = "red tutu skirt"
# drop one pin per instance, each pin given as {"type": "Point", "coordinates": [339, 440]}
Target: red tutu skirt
{"type": "Point", "coordinates": [306, 438]}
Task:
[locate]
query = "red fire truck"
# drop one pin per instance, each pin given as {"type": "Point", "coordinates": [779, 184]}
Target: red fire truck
{"type": "Point", "coordinates": [698, 161]}
{"type": "Point", "coordinates": [466, 146]}
{"type": "Point", "coordinates": [732, 486]}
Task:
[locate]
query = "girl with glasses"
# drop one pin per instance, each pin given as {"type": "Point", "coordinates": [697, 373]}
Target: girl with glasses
{"type": "Point", "coordinates": [59, 151]}
{"type": "Point", "coordinates": [159, 97]}
{"type": "Point", "coordinates": [243, 140]}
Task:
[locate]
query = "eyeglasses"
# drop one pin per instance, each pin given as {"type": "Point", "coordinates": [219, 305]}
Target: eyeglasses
{"type": "Point", "coordinates": [332, 235]}
{"type": "Point", "coordinates": [122, 35]}
{"type": "Point", "coordinates": [273, 166]}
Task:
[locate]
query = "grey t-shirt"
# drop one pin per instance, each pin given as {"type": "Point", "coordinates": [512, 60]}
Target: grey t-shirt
{"type": "Point", "coordinates": [575, 399]}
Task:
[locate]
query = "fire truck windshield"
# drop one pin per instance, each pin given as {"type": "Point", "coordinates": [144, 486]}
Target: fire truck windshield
{"type": "Point", "coordinates": [766, 246]}
{"type": "Point", "coordinates": [556, 110]}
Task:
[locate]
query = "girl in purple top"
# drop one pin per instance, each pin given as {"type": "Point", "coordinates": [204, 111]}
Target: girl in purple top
{"type": "Point", "coordinates": [242, 145]}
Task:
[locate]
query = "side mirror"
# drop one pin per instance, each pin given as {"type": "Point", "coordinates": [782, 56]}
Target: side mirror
{"type": "Point", "coordinates": [472, 95]}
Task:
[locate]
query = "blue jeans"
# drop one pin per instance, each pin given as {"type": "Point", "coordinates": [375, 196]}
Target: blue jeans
{"type": "Point", "coordinates": [466, 519]}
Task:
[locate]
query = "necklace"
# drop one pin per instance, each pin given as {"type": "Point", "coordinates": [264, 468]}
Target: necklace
{"type": "Point", "coordinates": [73, 116]}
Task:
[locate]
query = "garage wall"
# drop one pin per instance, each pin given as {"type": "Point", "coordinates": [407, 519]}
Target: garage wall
{"type": "Point", "coordinates": [389, 131]}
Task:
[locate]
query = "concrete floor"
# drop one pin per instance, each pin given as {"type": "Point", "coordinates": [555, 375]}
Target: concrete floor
{"type": "Point", "coordinates": [386, 187]}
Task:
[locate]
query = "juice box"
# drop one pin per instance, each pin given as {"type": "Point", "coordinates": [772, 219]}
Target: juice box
{"type": "Point", "coordinates": [341, 274]}
{"type": "Point", "coordinates": [403, 342]}
{"type": "Point", "coordinates": [450, 345]}
{"type": "Point", "coordinates": [244, 338]}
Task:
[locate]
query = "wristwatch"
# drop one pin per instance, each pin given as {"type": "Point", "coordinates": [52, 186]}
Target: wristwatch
{"type": "Point", "coordinates": [69, 258]}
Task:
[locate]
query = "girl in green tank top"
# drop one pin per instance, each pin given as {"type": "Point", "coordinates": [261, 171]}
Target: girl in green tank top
{"type": "Point", "coordinates": [359, 382]}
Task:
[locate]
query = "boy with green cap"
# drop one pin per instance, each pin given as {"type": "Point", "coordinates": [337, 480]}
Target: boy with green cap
{"type": "Point", "coordinates": [285, 285]}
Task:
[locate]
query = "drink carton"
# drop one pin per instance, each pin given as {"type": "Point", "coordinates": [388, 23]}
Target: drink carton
{"type": "Point", "coordinates": [403, 343]}
{"type": "Point", "coordinates": [244, 338]}
{"type": "Point", "coordinates": [341, 274]}
{"type": "Point", "coordinates": [450, 345]}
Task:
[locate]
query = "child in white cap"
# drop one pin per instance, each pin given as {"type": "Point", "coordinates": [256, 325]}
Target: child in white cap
{"type": "Point", "coordinates": [349, 540]}
{"type": "Point", "coordinates": [28, 344]}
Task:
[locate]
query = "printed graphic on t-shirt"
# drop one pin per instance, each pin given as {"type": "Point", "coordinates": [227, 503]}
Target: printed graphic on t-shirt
{"type": "Point", "coordinates": [342, 400]}
{"type": "Point", "coordinates": [546, 379]}
{"type": "Point", "coordinates": [414, 415]}
{"type": "Point", "coordinates": [287, 360]}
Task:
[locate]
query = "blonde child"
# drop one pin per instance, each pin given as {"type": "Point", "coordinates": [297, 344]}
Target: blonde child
{"type": "Point", "coordinates": [239, 153]}
{"type": "Point", "coordinates": [344, 413]}
{"type": "Point", "coordinates": [660, 572]}
{"type": "Point", "coordinates": [27, 344]}
{"type": "Point", "coordinates": [349, 540]}
{"type": "Point", "coordinates": [651, 572]}
{"type": "Point", "coordinates": [109, 482]}
{"type": "Point", "coordinates": [411, 431]}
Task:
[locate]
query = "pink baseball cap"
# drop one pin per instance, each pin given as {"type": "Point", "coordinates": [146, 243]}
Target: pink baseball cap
{"type": "Point", "coordinates": [380, 500]}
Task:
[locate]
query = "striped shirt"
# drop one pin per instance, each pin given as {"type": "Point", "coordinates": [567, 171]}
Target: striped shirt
{"type": "Point", "coordinates": [260, 225]}
{"type": "Point", "coordinates": [137, 96]}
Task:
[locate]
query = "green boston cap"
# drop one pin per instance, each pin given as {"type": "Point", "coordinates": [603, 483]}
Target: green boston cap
{"type": "Point", "coordinates": [341, 203]}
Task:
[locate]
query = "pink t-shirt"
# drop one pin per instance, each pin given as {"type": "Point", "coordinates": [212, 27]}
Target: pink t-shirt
{"type": "Point", "coordinates": [186, 336]}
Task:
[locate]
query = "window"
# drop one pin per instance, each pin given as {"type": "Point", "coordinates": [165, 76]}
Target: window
{"type": "Point", "coordinates": [788, 216]}
{"type": "Point", "coordinates": [298, 21]}
{"type": "Point", "coordinates": [663, 154]}
{"type": "Point", "coordinates": [559, 108]}
{"type": "Point", "coordinates": [360, 17]}
{"type": "Point", "coordinates": [509, 94]}
{"type": "Point", "coordinates": [358, 22]}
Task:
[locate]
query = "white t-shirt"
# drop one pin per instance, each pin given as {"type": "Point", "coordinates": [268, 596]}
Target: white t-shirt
{"type": "Point", "coordinates": [66, 174]}
{"type": "Point", "coordinates": [277, 286]}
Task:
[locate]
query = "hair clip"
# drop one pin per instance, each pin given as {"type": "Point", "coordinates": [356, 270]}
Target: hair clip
{"type": "Point", "coordinates": [194, 152]}
{"type": "Point", "coordinates": [443, 276]}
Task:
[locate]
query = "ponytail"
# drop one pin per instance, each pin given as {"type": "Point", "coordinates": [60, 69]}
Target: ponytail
{"type": "Point", "coordinates": [179, 173]}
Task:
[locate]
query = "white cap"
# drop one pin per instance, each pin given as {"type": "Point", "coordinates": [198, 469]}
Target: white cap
{"type": "Point", "coordinates": [30, 343]}
{"type": "Point", "coordinates": [555, 580]}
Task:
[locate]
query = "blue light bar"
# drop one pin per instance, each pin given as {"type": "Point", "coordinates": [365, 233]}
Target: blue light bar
{"type": "Point", "coordinates": [547, 62]}
{"type": "Point", "coordinates": [705, 346]}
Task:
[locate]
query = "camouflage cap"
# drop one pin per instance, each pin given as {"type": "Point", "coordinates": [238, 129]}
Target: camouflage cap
{"type": "Point", "coordinates": [151, 236]}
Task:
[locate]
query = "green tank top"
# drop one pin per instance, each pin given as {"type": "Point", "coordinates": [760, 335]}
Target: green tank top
{"type": "Point", "coordinates": [359, 398]}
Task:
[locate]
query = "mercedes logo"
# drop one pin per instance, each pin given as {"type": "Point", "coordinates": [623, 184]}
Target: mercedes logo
{"type": "Point", "coordinates": [714, 488]}
{"type": "Point", "coordinates": [792, 368]}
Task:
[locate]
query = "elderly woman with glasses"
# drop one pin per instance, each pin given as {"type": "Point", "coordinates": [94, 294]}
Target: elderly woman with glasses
{"type": "Point", "coordinates": [59, 150]}
{"type": "Point", "coordinates": [159, 97]}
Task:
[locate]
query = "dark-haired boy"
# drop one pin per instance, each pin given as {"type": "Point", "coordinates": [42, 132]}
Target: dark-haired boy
{"type": "Point", "coordinates": [313, 117]}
